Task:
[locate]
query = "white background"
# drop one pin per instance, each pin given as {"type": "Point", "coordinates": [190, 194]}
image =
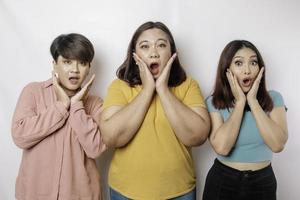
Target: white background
{"type": "Point", "coordinates": [201, 30]}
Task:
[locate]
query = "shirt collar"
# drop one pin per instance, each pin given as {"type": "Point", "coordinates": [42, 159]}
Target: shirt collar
{"type": "Point", "coordinates": [48, 83]}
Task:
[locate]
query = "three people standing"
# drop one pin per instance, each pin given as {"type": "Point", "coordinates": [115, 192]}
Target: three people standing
{"type": "Point", "coordinates": [152, 115]}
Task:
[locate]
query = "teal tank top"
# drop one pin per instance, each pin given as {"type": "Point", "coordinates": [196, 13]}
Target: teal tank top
{"type": "Point", "coordinates": [250, 146]}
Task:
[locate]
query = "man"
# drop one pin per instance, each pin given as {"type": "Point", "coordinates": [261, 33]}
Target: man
{"type": "Point", "coordinates": [56, 124]}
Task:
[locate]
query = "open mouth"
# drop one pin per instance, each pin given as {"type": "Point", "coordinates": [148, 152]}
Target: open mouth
{"type": "Point", "coordinates": [74, 80]}
{"type": "Point", "coordinates": [247, 82]}
{"type": "Point", "coordinates": [154, 68]}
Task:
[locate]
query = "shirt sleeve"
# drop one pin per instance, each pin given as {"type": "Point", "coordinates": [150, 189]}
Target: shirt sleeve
{"type": "Point", "coordinates": [210, 106]}
{"type": "Point", "coordinates": [277, 99]}
{"type": "Point", "coordinates": [193, 96]}
{"type": "Point", "coordinates": [30, 125]}
{"type": "Point", "coordinates": [115, 94]}
{"type": "Point", "coordinates": [86, 125]}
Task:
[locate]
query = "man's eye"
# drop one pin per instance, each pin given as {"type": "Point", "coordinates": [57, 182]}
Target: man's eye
{"type": "Point", "coordinates": [67, 62]}
{"type": "Point", "coordinates": [83, 63]}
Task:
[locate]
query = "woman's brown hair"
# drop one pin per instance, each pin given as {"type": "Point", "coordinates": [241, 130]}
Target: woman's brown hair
{"type": "Point", "coordinates": [222, 95]}
{"type": "Point", "coordinates": [129, 71]}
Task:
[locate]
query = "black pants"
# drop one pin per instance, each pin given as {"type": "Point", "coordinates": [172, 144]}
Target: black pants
{"type": "Point", "coordinates": [226, 183]}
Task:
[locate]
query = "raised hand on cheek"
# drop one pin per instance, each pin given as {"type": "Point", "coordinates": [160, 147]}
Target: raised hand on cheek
{"type": "Point", "coordinates": [146, 76]}
{"type": "Point", "coordinates": [59, 91]}
{"type": "Point", "coordinates": [236, 89]}
{"type": "Point", "coordinates": [82, 94]}
{"type": "Point", "coordinates": [162, 81]}
{"type": "Point", "coordinates": [251, 95]}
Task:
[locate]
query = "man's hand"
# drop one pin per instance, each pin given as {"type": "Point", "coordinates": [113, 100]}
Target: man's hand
{"type": "Point", "coordinates": [59, 91]}
{"type": "Point", "coordinates": [81, 95]}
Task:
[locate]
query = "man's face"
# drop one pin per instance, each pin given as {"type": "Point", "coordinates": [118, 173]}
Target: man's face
{"type": "Point", "coordinates": [71, 73]}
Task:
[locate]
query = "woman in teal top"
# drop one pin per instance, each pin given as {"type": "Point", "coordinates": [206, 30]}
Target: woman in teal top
{"type": "Point", "coordinates": [248, 125]}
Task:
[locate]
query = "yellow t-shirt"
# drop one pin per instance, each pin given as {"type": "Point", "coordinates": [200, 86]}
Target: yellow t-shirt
{"type": "Point", "coordinates": [154, 165]}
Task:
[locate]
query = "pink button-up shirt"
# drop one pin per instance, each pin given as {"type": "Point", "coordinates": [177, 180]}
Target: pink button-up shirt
{"type": "Point", "coordinates": [59, 146]}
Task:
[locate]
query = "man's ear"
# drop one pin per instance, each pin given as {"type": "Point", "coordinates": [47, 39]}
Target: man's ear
{"type": "Point", "coordinates": [54, 65]}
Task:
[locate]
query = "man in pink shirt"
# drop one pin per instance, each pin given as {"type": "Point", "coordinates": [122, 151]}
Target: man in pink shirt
{"type": "Point", "coordinates": [56, 123]}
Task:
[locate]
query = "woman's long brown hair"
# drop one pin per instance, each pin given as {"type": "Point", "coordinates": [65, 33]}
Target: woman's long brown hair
{"type": "Point", "coordinates": [222, 95]}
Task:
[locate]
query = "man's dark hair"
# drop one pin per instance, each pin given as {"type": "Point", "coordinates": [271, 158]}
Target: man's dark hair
{"type": "Point", "coordinates": [72, 46]}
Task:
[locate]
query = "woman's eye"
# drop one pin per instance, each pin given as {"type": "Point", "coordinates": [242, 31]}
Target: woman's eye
{"type": "Point", "coordinates": [254, 63]}
{"type": "Point", "coordinates": [144, 46]}
{"type": "Point", "coordinates": [162, 45]}
{"type": "Point", "coordinates": [238, 63]}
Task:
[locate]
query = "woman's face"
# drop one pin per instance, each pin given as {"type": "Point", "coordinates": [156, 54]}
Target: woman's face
{"type": "Point", "coordinates": [153, 47]}
{"type": "Point", "coordinates": [244, 66]}
{"type": "Point", "coordinates": [71, 73]}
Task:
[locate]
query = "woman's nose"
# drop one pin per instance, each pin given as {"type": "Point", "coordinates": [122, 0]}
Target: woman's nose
{"type": "Point", "coordinates": [247, 69]}
{"type": "Point", "coordinates": [154, 53]}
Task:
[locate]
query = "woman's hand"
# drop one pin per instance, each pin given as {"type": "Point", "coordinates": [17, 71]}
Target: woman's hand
{"type": "Point", "coordinates": [235, 87]}
{"type": "Point", "coordinates": [59, 91]}
{"type": "Point", "coordinates": [82, 94]}
{"type": "Point", "coordinates": [145, 74]}
{"type": "Point", "coordinates": [161, 83]}
{"type": "Point", "coordinates": [251, 95]}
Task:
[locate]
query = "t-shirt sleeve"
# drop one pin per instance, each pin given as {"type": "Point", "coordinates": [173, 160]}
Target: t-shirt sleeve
{"type": "Point", "coordinates": [209, 104]}
{"type": "Point", "coordinates": [277, 99]}
{"type": "Point", "coordinates": [193, 97]}
{"type": "Point", "coordinates": [115, 95]}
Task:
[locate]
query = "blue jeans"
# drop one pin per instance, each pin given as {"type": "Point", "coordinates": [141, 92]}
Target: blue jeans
{"type": "Point", "coordinates": [114, 195]}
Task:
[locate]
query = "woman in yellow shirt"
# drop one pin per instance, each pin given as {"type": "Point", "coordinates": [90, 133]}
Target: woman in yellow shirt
{"type": "Point", "coordinates": [153, 114]}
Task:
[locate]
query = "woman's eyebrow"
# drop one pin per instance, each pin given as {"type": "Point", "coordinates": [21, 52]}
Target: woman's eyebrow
{"type": "Point", "coordinates": [238, 57]}
{"type": "Point", "coordinates": [143, 41]}
{"type": "Point", "coordinates": [162, 39]}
